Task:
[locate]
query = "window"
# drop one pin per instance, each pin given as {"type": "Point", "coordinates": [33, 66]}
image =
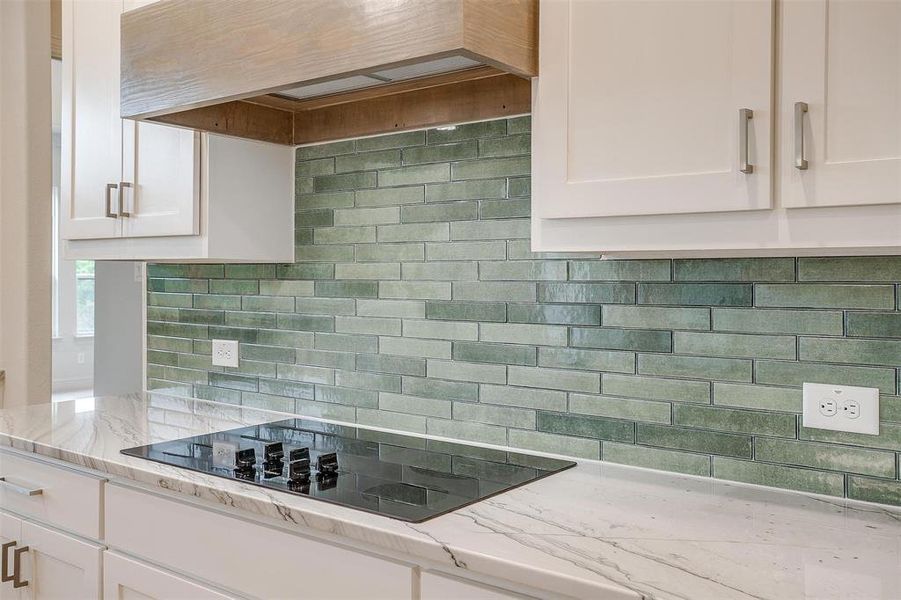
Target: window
{"type": "Point", "coordinates": [84, 297]}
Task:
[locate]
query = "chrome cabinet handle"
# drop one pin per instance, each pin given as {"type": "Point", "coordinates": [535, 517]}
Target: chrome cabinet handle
{"type": "Point", "coordinates": [122, 186]}
{"type": "Point", "coordinates": [109, 201]}
{"type": "Point", "coordinates": [20, 489]}
{"type": "Point", "coordinates": [4, 564]}
{"type": "Point", "coordinates": [744, 117]}
{"type": "Point", "coordinates": [17, 567]}
{"type": "Point", "coordinates": [800, 160]}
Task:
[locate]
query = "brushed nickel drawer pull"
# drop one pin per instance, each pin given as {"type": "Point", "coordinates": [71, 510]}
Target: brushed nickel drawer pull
{"type": "Point", "coordinates": [18, 489]}
{"type": "Point", "coordinates": [122, 186]}
{"type": "Point", "coordinates": [4, 564]}
{"type": "Point", "coordinates": [17, 567]}
{"type": "Point", "coordinates": [109, 201]}
{"type": "Point", "coordinates": [800, 160]}
{"type": "Point", "coordinates": [744, 119]}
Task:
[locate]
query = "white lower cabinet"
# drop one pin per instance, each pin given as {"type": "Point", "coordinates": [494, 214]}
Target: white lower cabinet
{"type": "Point", "coordinates": [440, 587]}
{"type": "Point", "coordinates": [128, 579]}
{"type": "Point", "coordinates": [10, 538]}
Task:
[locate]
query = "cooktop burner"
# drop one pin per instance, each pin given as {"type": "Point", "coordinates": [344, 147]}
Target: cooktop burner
{"type": "Point", "coordinates": [404, 477]}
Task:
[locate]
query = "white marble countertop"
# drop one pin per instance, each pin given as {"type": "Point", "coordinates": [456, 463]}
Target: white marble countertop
{"type": "Point", "coordinates": [594, 531]}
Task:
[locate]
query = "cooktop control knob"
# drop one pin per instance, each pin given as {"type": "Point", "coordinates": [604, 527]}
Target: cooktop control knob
{"type": "Point", "coordinates": [274, 452]}
{"type": "Point", "coordinates": [299, 469]}
{"type": "Point", "coordinates": [299, 453]}
{"type": "Point", "coordinates": [245, 458]}
{"type": "Point", "coordinates": [327, 463]}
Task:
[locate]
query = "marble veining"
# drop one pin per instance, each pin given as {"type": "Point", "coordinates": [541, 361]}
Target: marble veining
{"type": "Point", "coordinates": [594, 531]}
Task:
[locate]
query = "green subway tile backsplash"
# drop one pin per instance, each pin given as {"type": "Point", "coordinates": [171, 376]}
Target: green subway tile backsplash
{"type": "Point", "coordinates": [415, 303]}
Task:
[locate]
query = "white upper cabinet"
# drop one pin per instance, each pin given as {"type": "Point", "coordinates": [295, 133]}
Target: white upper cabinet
{"type": "Point", "coordinates": [652, 107]}
{"type": "Point", "coordinates": [145, 191]}
{"type": "Point", "coordinates": [841, 59]}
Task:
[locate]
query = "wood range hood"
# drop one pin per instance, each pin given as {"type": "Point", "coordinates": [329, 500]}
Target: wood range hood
{"type": "Point", "coordinates": [303, 71]}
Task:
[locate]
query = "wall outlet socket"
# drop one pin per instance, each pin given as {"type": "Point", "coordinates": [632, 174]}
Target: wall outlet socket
{"type": "Point", "coordinates": [225, 353]}
{"type": "Point", "coordinates": [841, 408]}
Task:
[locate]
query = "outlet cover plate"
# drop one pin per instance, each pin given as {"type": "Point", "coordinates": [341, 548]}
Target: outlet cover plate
{"type": "Point", "coordinates": [225, 353]}
{"type": "Point", "coordinates": [865, 400]}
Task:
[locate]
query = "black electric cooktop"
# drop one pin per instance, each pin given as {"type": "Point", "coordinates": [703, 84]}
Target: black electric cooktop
{"type": "Point", "coordinates": [404, 477]}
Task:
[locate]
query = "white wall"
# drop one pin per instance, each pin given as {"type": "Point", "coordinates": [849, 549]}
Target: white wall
{"type": "Point", "coordinates": [25, 165]}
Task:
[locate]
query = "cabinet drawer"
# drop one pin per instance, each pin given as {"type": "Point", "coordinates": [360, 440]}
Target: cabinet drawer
{"type": "Point", "coordinates": [67, 499]}
{"type": "Point", "coordinates": [440, 587]}
{"type": "Point", "coordinates": [243, 556]}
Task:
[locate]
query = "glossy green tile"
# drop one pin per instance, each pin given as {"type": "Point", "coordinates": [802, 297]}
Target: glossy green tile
{"type": "Point", "coordinates": [440, 390]}
{"type": "Point", "coordinates": [290, 389]}
{"type": "Point", "coordinates": [554, 314]}
{"type": "Point", "coordinates": [344, 235]}
{"type": "Point", "coordinates": [757, 396]}
{"type": "Point", "coordinates": [347, 289]}
{"type": "Point", "coordinates": [415, 347]}
{"type": "Point", "coordinates": [753, 320]}
{"type": "Point", "coordinates": [346, 343]}
{"type": "Point", "coordinates": [384, 252]}
{"type": "Point", "coordinates": [170, 300]}
{"type": "Point", "coordinates": [519, 187]}
{"type": "Point", "coordinates": [306, 271]}
{"type": "Point", "coordinates": [850, 268]}
{"type": "Point", "coordinates": [695, 294]}
{"type": "Point", "coordinates": [162, 313]}
{"type": "Point", "coordinates": [889, 437]}
{"type": "Point", "coordinates": [158, 357]}
{"type": "Point", "coordinates": [488, 168]}
{"type": "Point", "coordinates": [694, 440]}
{"type": "Point", "coordinates": [267, 353]}
{"type": "Point", "coordinates": [441, 152]}
{"type": "Point", "coordinates": [234, 382]}
{"type": "Point", "coordinates": [347, 396]}
{"type": "Point", "coordinates": [495, 229]}
{"type": "Point", "coordinates": [649, 317]}
{"type": "Point", "coordinates": [422, 290]}
{"type": "Point", "coordinates": [468, 131]}
{"type": "Point", "coordinates": [391, 420]}
{"type": "Point", "coordinates": [326, 358]}
{"type": "Point", "coordinates": [734, 420]}
{"type": "Point", "coordinates": [170, 344]}
{"type": "Point", "coordinates": [267, 304]}
{"type": "Point", "coordinates": [543, 270]}
{"type": "Point", "coordinates": [464, 371]}
{"type": "Point", "coordinates": [291, 339]}
{"type": "Point", "coordinates": [812, 295]}
{"type": "Point", "coordinates": [698, 367]}
{"type": "Point", "coordinates": [368, 325]}
{"type": "Point", "coordinates": [379, 363]}
{"type": "Point", "coordinates": [805, 480]}
{"type": "Point", "coordinates": [306, 322]}
{"type": "Point", "coordinates": [324, 253]}
{"type": "Point", "coordinates": [343, 182]}
{"type": "Point", "coordinates": [367, 161]}
{"type": "Point", "coordinates": [466, 190]}
{"type": "Point", "coordinates": [441, 271]}
{"type": "Point", "coordinates": [367, 216]}
{"type": "Point", "coordinates": [519, 125]}
{"type": "Point", "coordinates": [414, 232]}
{"type": "Point", "coordinates": [414, 175]}
{"type": "Point", "coordinates": [592, 293]}
{"type": "Point", "coordinates": [389, 197]}
{"type": "Point", "coordinates": [555, 444]}
{"type": "Point", "coordinates": [325, 306]}
{"type": "Point", "coordinates": [653, 458]}
{"type": "Point", "coordinates": [865, 352]}
{"type": "Point", "coordinates": [523, 397]}
{"type": "Point", "coordinates": [443, 212]}
{"type": "Point", "coordinates": [185, 271]}
{"type": "Point", "coordinates": [512, 145]}
{"type": "Point", "coordinates": [494, 250]}
{"type": "Point", "coordinates": [593, 360]}
{"type": "Point", "coordinates": [207, 317]}
{"type": "Point", "coordinates": [614, 407]}
{"type": "Point", "coordinates": [875, 490]}
{"type": "Point", "coordinates": [495, 353]}
{"type": "Point", "coordinates": [555, 379]}
{"type": "Point", "coordinates": [584, 426]}
{"type": "Point", "coordinates": [466, 311]}
{"type": "Point", "coordinates": [796, 373]}
{"type": "Point", "coordinates": [372, 270]}
{"type": "Point", "coordinates": [191, 286]}
{"type": "Point", "coordinates": [655, 388]}
{"type": "Point", "coordinates": [368, 381]}
{"type": "Point", "coordinates": [415, 405]}
{"type": "Point", "coordinates": [327, 200]}
{"type": "Point", "coordinates": [391, 308]}
{"type": "Point", "coordinates": [320, 217]}
{"type": "Point", "coordinates": [620, 270]}
{"type": "Point", "coordinates": [879, 325]}
{"type": "Point", "coordinates": [523, 333]}
{"type": "Point", "coordinates": [506, 416]}
{"type": "Point", "coordinates": [825, 456]}
{"type": "Point", "coordinates": [440, 330]}
{"type": "Point", "coordinates": [312, 168]}
{"type": "Point", "coordinates": [643, 340]}
{"type": "Point", "coordinates": [321, 150]}
{"type": "Point", "coordinates": [494, 291]}
{"type": "Point", "coordinates": [734, 269]}
{"type": "Point", "coordinates": [734, 344]}
{"type": "Point", "coordinates": [505, 209]}
{"type": "Point", "coordinates": [474, 432]}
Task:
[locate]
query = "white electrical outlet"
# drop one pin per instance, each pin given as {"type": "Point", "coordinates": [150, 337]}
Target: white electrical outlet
{"type": "Point", "coordinates": [841, 408]}
{"type": "Point", "coordinates": [225, 353]}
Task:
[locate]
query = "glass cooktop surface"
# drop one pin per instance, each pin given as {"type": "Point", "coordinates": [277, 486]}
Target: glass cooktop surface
{"type": "Point", "coordinates": [408, 478]}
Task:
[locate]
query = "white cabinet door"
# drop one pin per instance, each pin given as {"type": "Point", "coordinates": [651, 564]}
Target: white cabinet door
{"type": "Point", "coordinates": [843, 60]}
{"type": "Point", "coordinates": [60, 567]}
{"type": "Point", "coordinates": [439, 587]}
{"type": "Point", "coordinates": [637, 107]}
{"type": "Point", "coordinates": [161, 180]}
{"type": "Point", "coordinates": [127, 579]}
{"type": "Point", "coordinates": [10, 533]}
{"type": "Point", "coordinates": [91, 165]}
